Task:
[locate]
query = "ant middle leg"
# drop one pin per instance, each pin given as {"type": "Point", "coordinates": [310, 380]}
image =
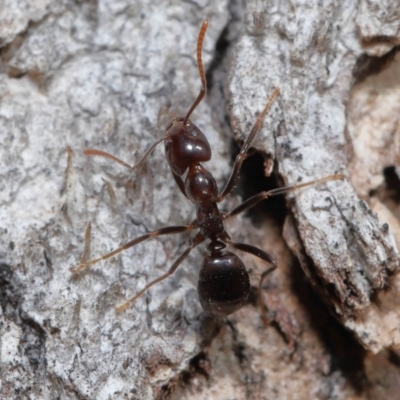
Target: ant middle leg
{"type": "Point", "coordinates": [159, 232]}
{"type": "Point", "coordinates": [254, 200]}
{"type": "Point", "coordinates": [199, 238]}
{"type": "Point", "coordinates": [245, 148]}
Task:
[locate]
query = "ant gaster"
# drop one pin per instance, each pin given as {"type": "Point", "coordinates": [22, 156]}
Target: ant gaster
{"type": "Point", "coordinates": [224, 284]}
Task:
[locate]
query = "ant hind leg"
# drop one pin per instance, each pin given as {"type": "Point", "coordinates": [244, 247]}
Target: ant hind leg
{"type": "Point", "coordinates": [199, 238]}
{"type": "Point", "coordinates": [159, 232]}
{"type": "Point", "coordinates": [255, 251]}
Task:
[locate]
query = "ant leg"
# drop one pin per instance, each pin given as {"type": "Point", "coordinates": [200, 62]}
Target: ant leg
{"type": "Point", "coordinates": [163, 231]}
{"type": "Point", "coordinates": [264, 315]}
{"type": "Point", "coordinates": [246, 145]}
{"type": "Point", "coordinates": [255, 251]}
{"type": "Point", "coordinates": [93, 152]}
{"type": "Point", "coordinates": [252, 201]}
{"type": "Point", "coordinates": [199, 238]}
{"type": "Point", "coordinates": [180, 183]}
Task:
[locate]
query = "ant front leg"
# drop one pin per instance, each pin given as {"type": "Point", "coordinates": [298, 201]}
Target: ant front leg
{"type": "Point", "coordinates": [245, 148]}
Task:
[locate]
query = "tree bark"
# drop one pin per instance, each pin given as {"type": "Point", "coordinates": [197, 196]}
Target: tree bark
{"type": "Point", "coordinates": [109, 75]}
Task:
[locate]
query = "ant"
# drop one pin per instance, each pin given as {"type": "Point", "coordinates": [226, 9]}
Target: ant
{"type": "Point", "coordinates": [223, 285]}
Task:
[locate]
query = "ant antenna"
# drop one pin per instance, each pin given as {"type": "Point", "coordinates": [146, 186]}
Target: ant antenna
{"type": "Point", "coordinates": [203, 89]}
{"type": "Point", "coordinates": [94, 152]}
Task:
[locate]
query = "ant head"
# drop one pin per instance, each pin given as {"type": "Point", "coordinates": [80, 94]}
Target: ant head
{"type": "Point", "coordinates": [224, 283]}
{"type": "Point", "coordinates": [185, 145]}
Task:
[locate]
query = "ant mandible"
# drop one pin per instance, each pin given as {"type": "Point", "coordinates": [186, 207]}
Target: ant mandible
{"type": "Point", "coordinates": [223, 285]}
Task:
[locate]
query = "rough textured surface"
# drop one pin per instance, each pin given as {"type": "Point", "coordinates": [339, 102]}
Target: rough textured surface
{"type": "Point", "coordinates": [97, 73]}
{"type": "Point", "coordinates": [309, 52]}
{"type": "Point", "coordinates": [107, 75]}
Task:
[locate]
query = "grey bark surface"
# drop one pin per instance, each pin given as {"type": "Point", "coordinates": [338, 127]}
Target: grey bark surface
{"type": "Point", "coordinates": [108, 75]}
{"type": "Point", "coordinates": [310, 53]}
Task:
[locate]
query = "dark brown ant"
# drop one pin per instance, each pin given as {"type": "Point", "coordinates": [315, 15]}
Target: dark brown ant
{"type": "Point", "coordinates": [224, 284]}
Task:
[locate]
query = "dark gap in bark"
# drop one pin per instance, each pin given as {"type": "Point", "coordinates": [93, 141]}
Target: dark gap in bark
{"type": "Point", "coordinates": [9, 297]}
{"type": "Point", "coordinates": [238, 348]}
{"type": "Point", "coordinates": [346, 354]}
{"type": "Point", "coordinates": [390, 189]}
{"type": "Point", "coordinates": [218, 71]}
{"type": "Point", "coordinates": [221, 47]}
{"type": "Point", "coordinates": [33, 345]}
{"type": "Point", "coordinates": [371, 65]}
{"type": "Point", "coordinates": [394, 358]}
{"type": "Point", "coordinates": [33, 340]}
{"type": "Point", "coordinates": [388, 192]}
{"type": "Point", "coordinates": [198, 365]}
{"type": "Point", "coordinates": [252, 181]}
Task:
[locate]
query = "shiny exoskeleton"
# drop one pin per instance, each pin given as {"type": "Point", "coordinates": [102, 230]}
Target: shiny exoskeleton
{"type": "Point", "coordinates": [223, 285]}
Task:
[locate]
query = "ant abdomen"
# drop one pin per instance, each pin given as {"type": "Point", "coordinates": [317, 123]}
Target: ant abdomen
{"type": "Point", "coordinates": [224, 283]}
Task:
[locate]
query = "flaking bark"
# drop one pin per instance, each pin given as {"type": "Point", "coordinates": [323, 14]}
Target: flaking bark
{"type": "Point", "coordinates": [107, 75]}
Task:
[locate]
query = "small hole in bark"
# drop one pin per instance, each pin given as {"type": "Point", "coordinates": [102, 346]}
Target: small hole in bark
{"type": "Point", "coordinates": [198, 365]}
{"type": "Point", "coordinates": [252, 181]}
{"type": "Point", "coordinates": [371, 65]}
{"type": "Point", "coordinates": [388, 192]}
